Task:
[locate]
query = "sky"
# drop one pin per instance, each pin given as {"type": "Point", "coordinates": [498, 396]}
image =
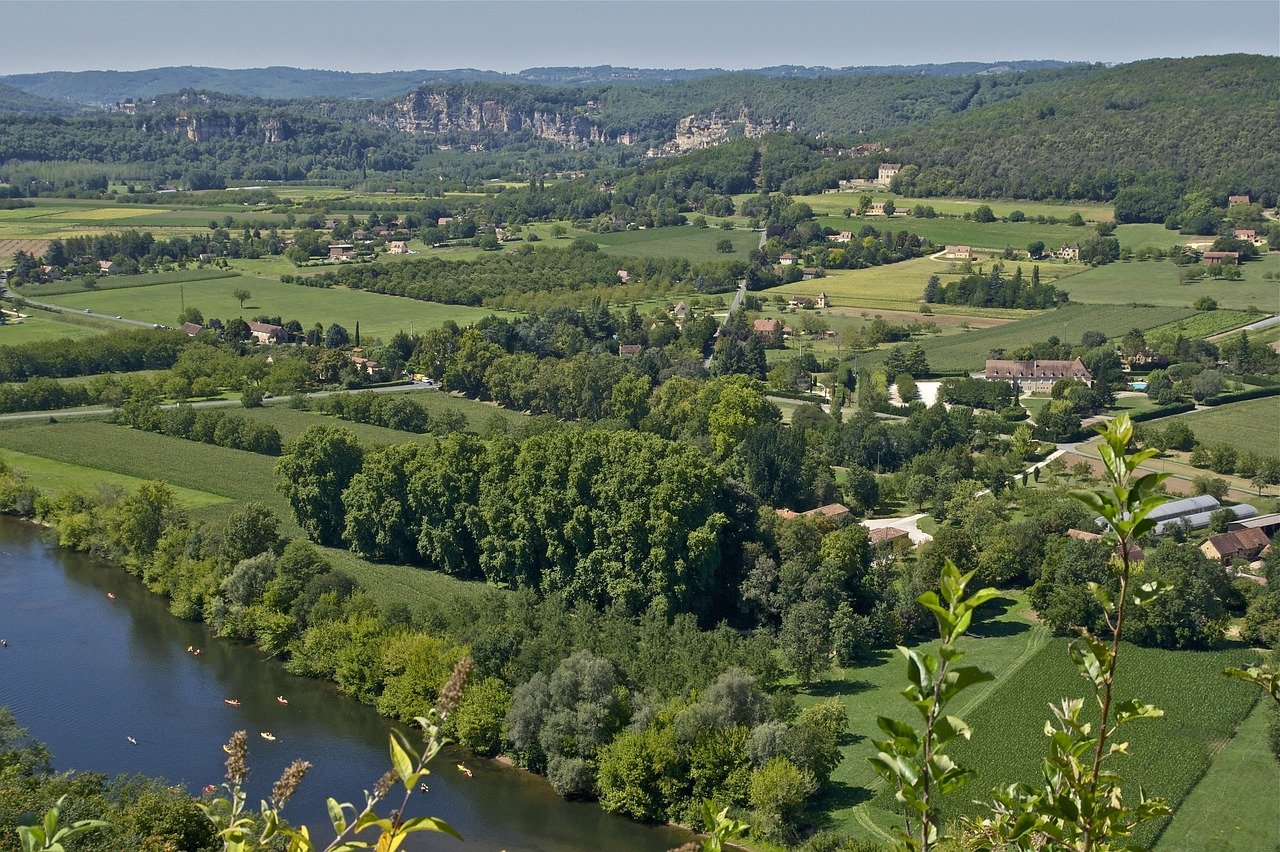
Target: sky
{"type": "Point", "coordinates": [509, 36]}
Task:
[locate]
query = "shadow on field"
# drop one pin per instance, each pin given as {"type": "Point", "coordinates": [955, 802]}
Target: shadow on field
{"type": "Point", "coordinates": [985, 623]}
{"type": "Point", "coordinates": [839, 688]}
{"type": "Point", "coordinates": [836, 796]}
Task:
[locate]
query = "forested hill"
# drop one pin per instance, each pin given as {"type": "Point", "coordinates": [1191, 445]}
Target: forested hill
{"type": "Point", "coordinates": [1208, 121]}
{"type": "Point", "coordinates": [17, 101]}
{"type": "Point", "coordinates": [103, 88]}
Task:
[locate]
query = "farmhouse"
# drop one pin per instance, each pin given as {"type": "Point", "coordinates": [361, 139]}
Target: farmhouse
{"type": "Point", "coordinates": [680, 311]}
{"type": "Point", "coordinates": [886, 173]}
{"type": "Point", "coordinates": [1036, 375]}
{"type": "Point", "coordinates": [629, 350]}
{"type": "Point", "coordinates": [888, 537]}
{"type": "Point", "coordinates": [265, 332]}
{"type": "Point", "coordinates": [50, 273]}
{"type": "Point", "coordinates": [1244, 544]}
{"type": "Point", "coordinates": [106, 267]}
{"type": "Point", "coordinates": [1248, 234]}
{"type": "Point", "coordinates": [192, 328]}
{"type": "Point", "coordinates": [398, 247]}
{"type": "Point", "coordinates": [876, 209]}
{"type": "Point", "coordinates": [1237, 199]}
{"type": "Point", "coordinates": [624, 276]}
{"type": "Point", "coordinates": [835, 511]}
{"type": "Point", "coordinates": [842, 237]}
{"type": "Point", "coordinates": [767, 327]}
{"type": "Point", "coordinates": [823, 301]}
{"type": "Point", "coordinates": [1070, 252]}
{"type": "Point", "coordinates": [342, 251]}
{"type": "Point", "coordinates": [444, 220]}
{"type": "Point", "coordinates": [958, 252]}
{"type": "Point", "coordinates": [788, 259]}
{"type": "Point", "coordinates": [1218, 258]}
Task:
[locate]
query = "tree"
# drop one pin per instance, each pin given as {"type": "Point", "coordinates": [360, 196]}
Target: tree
{"type": "Point", "coordinates": [907, 389]}
{"type": "Point", "coordinates": [252, 396]}
{"type": "Point", "coordinates": [725, 246]}
{"type": "Point", "coordinates": [322, 462]}
{"type": "Point", "coordinates": [779, 790]}
{"type": "Point", "coordinates": [241, 295]}
{"type": "Point", "coordinates": [336, 337]}
{"type": "Point", "coordinates": [249, 531]}
{"type": "Point", "coordinates": [983, 213]}
{"type": "Point", "coordinates": [805, 637]}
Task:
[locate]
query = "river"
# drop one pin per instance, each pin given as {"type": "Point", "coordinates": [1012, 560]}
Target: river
{"type": "Point", "coordinates": [84, 671]}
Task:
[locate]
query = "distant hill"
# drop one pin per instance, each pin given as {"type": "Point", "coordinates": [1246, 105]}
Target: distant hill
{"type": "Point", "coordinates": [14, 100]}
{"type": "Point", "coordinates": [1210, 121]}
{"type": "Point", "coordinates": [103, 88]}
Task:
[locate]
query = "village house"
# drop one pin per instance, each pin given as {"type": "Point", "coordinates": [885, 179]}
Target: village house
{"type": "Point", "coordinates": [788, 259]}
{"type": "Point", "coordinates": [50, 273]}
{"type": "Point", "coordinates": [342, 251]}
{"type": "Point", "coordinates": [192, 328]}
{"type": "Point", "coordinates": [890, 539]}
{"type": "Point", "coordinates": [624, 276]}
{"type": "Point", "coordinates": [365, 365]}
{"type": "Point", "coordinates": [1237, 199]}
{"type": "Point", "coordinates": [842, 237]}
{"type": "Point", "coordinates": [265, 332]}
{"type": "Point", "coordinates": [106, 267]}
{"type": "Point", "coordinates": [886, 173]}
{"type": "Point", "coordinates": [207, 256]}
{"type": "Point", "coordinates": [1070, 252]}
{"type": "Point", "coordinates": [809, 273]}
{"type": "Point", "coordinates": [1033, 376]}
{"type": "Point", "coordinates": [1218, 258]}
{"type": "Point", "coordinates": [1244, 544]}
{"type": "Point", "coordinates": [767, 327]}
{"type": "Point", "coordinates": [443, 221]}
{"type": "Point", "coordinates": [837, 512]}
{"type": "Point", "coordinates": [1248, 234]}
{"type": "Point", "coordinates": [680, 311]}
{"type": "Point", "coordinates": [958, 252]}
{"type": "Point", "coordinates": [398, 247]}
{"type": "Point", "coordinates": [876, 209]}
{"type": "Point", "coordinates": [823, 301]}
{"type": "Point", "coordinates": [629, 350]}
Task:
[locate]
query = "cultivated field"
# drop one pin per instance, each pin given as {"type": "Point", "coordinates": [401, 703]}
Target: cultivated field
{"type": "Point", "coordinates": [378, 315]}
{"type": "Point", "coordinates": [696, 244]}
{"type": "Point", "coordinates": [1204, 324]}
{"type": "Point", "coordinates": [834, 203]}
{"type": "Point", "coordinates": [292, 422]}
{"type": "Point", "coordinates": [63, 286]}
{"type": "Point", "coordinates": [994, 235]}
{"type": "Point", "coordinates": [1253, 425]}
{"type": "Point", "coordinates": [1157, 283]}
{"type": "Point", "coordinates": [55, 477]}
{"type": "Point", "coordinates": [969, 350]}
{"type": "Point", "coordinates": [900, 286]}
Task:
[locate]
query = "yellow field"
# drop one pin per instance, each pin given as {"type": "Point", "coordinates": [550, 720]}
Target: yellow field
{"type": "Point", "coordinates": [110, 213]}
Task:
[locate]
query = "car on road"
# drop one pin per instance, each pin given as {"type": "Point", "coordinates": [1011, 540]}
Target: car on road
{"type": "Point", "coordinates": [86, 310]}
{"type": "Point", "coordinates": [119, 317]}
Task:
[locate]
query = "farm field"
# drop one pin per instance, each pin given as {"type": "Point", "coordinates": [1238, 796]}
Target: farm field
{"type": "Point", "coordinates": [834, 204]}
{"type": "Point", "coordinates": [1252, 425]}
{"type": "Point", "coordinates": [968, 351]}
{"type": "Point", "coordinates": [696, 244]}
{"type": "Point", "coordinates": [1156, 283]}
{"type": "Point", "coordinates": [1204, 324]}
{"type": "Point", "coordinates": [55, 477]}
{"type": "Point", "coordinates": [899, 286]}
{"type": "Point", "coordinates": [378, 315]}
{"type": "Point", "coordinates": [995, 235]}
{"type": "Point", "coordinates": [293, 422]}
{"type": "Point", "coordinates": [1234, 806]}
{"type": "Point", "coordinates": [64, 286]}
{"type": "Point", "coordinates": [118, 455]}
{"type": "Point", "coordinates": [44, 326]}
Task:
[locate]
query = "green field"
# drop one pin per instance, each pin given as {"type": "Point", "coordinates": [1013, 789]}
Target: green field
{"type": "Point", "coordinates": [1204, 324]}
{"type": "Point", "coordinates": [993, 235]}
{"type": "Point", "coordinates": [834, 203]}
{"type": "Point", "coordinates": [1235, 805]}
{"type": "Point", "coordinates": [1253, 425]}
{"type": "Point", "coordinates": [216, 478]}
{"type": "Point", "coordinates": [120, 282]}
{"type": "Point", "coordinates": [900, 286]}
{"type": "Point", "coordinates": [1157, 283]}
{"type": "Point", "coordinates": [1203, 710]}
{"type": "Point", "coordinates": [968, 351]}
{"type": "Point", "coordinates": [54, 477]}
{"type": "Point", "coordinates": [45, 326]}
{"type": "Point", "coordinates": [378, 315]}
{"type": "Point", "coordinates": [292, 422]}
{"type": "Point", "coordinates": [696, 244]}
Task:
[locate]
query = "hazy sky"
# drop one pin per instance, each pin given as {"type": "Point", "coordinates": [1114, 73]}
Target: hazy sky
{"type": "Point", "coordinates": [509, 36]}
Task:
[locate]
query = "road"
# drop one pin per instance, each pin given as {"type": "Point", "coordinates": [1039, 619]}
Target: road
{"type": "Point", "coordinates": [208, 403]}
{"type": "Point", "coordinates": [1266, 322]}
{"type": "Point", "coordinates": [57, 309]}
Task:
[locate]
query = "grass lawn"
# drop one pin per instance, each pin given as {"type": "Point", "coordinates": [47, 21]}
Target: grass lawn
{"type": "Point", "coordinates": [696, 244]}
{"type": "Point", "coordinates": [119, 282]}
{"type": "Point", "coordinates": [44, 326]}
{"type": "Point", "coordinates": [943, 232]}
{"type": "Point", "coordinates": [378, 315]}
{"type": "Point", "coordinates": [1156, 283]}
{"type": "Point", "coordinates": [969, 350]}
{"type": "Point", "coordinates": [1235, 805]}
{"type": "Point", "coordinates": [1252, 425]}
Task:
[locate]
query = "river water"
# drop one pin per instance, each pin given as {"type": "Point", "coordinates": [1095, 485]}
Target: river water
{"type": "Point", "coordinates": [84, 671]}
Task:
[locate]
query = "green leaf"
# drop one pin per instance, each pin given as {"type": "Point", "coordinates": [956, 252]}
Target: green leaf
{"type": "Point", "coordinates": [400, 760]}
{"type": "Point", "coordinates": [336, 816]}
{"type": "Point", "coordinates": [429, 824]}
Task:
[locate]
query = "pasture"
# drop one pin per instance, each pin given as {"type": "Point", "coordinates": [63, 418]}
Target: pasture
{"type": "Point", "coordinates": [378, 315]}
{"type": "Point", "coordinates": [1252, 425]}
{"type": "Point", "coordinates": [942, 232]}
{"type": "Point", "coordinates": [696, 244]}
{"type": "Point", "coordinates": [55, 477]}
{"type": "Point", "coordinates": [968, 351]}
{"type": "Point", "coordinates": [900, 286]}
{"type": "Point", "coordinates": [1158, 283]}
{"type": "Point", "coordinates": [40, 325]}
{"type": "Point", "coordinates": [835, 203]}
{"type": "Point", "coordinates": [95, 284]}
